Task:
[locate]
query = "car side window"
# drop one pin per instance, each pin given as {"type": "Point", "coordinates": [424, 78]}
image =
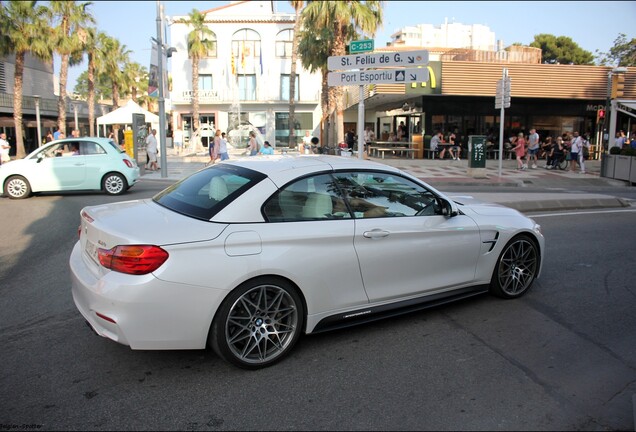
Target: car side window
{"type": "Point", "coordinates": [310, 198]}
{"type": "Point", "coordinates": [91, 148]}
{"type": "Point", "coordinates": [373, 195]}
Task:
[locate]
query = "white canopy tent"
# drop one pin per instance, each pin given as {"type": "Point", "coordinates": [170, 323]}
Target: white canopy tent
{"type": "Point", "coordinates": [123, 116]}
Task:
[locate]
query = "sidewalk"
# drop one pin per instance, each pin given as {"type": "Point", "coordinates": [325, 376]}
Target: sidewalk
{"type": "Point", "coordinates": [447, 173]}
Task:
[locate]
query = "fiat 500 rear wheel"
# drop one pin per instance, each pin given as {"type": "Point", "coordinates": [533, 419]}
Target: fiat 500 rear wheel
{"type": "Point", "coordinates": [516, 268]}
{"type": "Point", "coordinates": [114, 184]}
{"type": "Point", "coordinates": [258, 324]}
{"type": "Point", "coordinates": [17, 187]}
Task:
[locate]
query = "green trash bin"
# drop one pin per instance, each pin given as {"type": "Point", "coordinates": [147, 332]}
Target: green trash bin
{"type": "Point", "coordinates": [477, 156]}
{"type": "Point", "coordinates": [477, 151]}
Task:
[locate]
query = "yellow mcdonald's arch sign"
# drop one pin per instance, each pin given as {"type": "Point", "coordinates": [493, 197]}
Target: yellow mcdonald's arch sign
{"type": "Point", "coordinates": [434, 83]}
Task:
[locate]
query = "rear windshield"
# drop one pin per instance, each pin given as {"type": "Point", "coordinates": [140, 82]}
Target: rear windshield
{"type": "Point", "coordinates": [206, 192]}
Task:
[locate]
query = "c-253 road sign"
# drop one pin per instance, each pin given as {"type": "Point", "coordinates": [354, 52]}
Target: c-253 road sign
{"type": "Point", "coordinates": [378, 76]}
{"type": "Point", "coordinates": [376, 60]}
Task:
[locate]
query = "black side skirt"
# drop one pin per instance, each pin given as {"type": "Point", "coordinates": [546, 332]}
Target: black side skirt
{"type": "Point", "coordinates": [370, 314]}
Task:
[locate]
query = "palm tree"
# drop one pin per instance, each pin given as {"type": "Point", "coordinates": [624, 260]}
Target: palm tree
{"type": "Point", "coordinates": [94, 70]}
{"type": "Point", "coordinates": [198, 47]}
{"type": "Point", "coordinates": [115, 56]}
{"type": "Point", "coordinates": [364, 16]}
{"type": "Point", "coordinates": [70, 37]}
{"type": "Point", "coordinates": [297, 5]}
{"type": "Point", "coordinates": [21, 32]}
{"type": "Point", "coordinates": [313, 48]}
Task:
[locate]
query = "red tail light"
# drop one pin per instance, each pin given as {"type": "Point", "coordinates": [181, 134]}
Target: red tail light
{"type": "Point", "coordinates": [133, 259]}
{"type": "Point", "coordinates": [128, 163]}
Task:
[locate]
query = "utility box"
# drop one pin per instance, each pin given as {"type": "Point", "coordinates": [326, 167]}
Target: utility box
{"type": "Point", "coordinates": [477, 156]}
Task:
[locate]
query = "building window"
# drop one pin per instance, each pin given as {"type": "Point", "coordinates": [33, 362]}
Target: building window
{"type": "Point", "coordinates": [246, 50]}
{"type": "Point", "coordinates": [247, 87]}
{"type": "Point", "coordinates": [284, 88]}
{"type": "Point", "coordinates": [205, 82]}
{"type": "Point", "coordinates": [284, 43]}
{"type": "Point", "coordinates": [211, 40]}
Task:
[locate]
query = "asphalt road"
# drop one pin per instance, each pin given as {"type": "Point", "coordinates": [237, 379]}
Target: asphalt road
{"type": "Point", "coordinates": [563, 357]}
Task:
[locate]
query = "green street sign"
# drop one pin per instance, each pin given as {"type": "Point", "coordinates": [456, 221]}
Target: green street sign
{"type": "Point", "coordinates": [361, 46]}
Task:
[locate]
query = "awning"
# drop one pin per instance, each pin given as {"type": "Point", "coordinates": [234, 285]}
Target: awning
{"type": "Point", "coordinates": [44, 123]}
{"type": "Point", "coordinates": [626, 106]}
{"type": "Point", "coordinates": [6, 122]}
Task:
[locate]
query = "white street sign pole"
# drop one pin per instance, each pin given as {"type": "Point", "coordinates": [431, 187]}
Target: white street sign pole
{"type": "Point", "coordinates": [504, 75]}
{"type": "Point", "coordinates": [361, 123]}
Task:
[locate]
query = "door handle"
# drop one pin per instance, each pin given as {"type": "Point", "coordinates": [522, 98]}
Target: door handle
{"type": "Point", "coordinates": [376, 233]}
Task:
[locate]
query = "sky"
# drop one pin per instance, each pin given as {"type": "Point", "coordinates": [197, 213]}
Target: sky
{"type": "Point", "coordinates": [593, 25]}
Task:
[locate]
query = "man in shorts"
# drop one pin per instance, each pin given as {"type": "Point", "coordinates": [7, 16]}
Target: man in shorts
{"type": "Point", "coordinates": [533, 148]}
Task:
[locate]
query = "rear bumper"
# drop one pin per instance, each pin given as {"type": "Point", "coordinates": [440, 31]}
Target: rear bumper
{"type": "Point", "coordinates": [142, 312]}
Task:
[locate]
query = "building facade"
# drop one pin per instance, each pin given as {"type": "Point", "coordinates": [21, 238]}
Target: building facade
{"type": "Point", "coordinates": [460, 94]}
{"type": "Point", "coordinates": [448, 35]}
{"type": "Point", "coordinates": [244, 79]}
{"type": "Point", "coordinates": [39, 98]}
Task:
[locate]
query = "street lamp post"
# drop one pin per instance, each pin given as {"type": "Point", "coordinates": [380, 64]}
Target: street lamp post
{"type": "Point", "coordinates": [75, 107]}
{"type": "Point", "coordinates": [162, 102]}
{"type": "Point", "coordinates": [36, 98]}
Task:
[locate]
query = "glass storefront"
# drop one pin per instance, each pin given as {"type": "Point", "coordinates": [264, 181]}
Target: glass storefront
{"type": "Point", "coordinates": [304, 122]}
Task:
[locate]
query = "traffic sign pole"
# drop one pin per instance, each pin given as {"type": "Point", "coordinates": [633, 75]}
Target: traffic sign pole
{"type": "Point", "coordinates": [502, 88]}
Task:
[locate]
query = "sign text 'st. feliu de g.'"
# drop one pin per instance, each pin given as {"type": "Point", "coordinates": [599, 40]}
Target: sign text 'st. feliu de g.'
{"type": "Point", "coordinates": [376, 60]}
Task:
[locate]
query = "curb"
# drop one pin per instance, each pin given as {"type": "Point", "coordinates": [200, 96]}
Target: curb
{"type": "Point", "coordinates": [567, 204]}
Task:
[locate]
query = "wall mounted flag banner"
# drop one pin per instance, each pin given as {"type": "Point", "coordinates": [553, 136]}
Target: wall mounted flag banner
{"type": "Point", "coordinates": [261, 59]}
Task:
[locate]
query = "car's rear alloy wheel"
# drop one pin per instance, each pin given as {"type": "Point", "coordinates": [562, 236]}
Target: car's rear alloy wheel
{"type": "Point", "coordinates": [516, 269]}
{"type": "Point", "coordinates": [17, 187]}
{"type": "Point", "coordinates": [258, 324]}
{"type": "Point", "coordinates": [114, 184]}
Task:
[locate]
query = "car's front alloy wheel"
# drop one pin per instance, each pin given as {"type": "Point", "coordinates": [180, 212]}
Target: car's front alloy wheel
{"type": "Point", "coordinates": [114, 184]}
{"type": "Point", "coordinates": [17, 187]}
{"type": "Point", "coordinates": [516, 268]}
{"type": "Point", "coordinates": [258, 324]}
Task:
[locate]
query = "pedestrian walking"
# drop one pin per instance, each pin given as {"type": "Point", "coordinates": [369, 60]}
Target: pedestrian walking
{"type": "Point", "coordinates": [575, 149]}
{"type": "Point", "coordinates": [151, 150]}
{"type": "Point", "coordinates": [253, 144]}
{"type": "Point", "coordinates": [4, 148]}
{"type": "Point", "coordinates": [533, 148]}
{"type": "Point", "coordinates": [520, 151]}
{"type": "Point", "coordinates": [223, 154]}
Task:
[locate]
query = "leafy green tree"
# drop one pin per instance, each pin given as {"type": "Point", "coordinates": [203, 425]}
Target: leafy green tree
{"type": "Point", "coordinates": [623, 53]}
{"type": "Point", "coordinates": [298, 6]}
{"type": "Point", "coordinates": [561, 50]}
{"type": "Point", "coordinates": [23, 29]}
{"type": "Point", "coordinates": [102, 86]}
{"type": "Point", "coordinates": [71, 20]}
{"type": "Point", "coordinates": [135, 75]}
{"type": "Point", "coordinates": [199, 43]}
{"type": "Point", "coordinates": [340, 16]}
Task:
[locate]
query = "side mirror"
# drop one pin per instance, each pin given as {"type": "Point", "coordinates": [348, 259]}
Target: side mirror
{"type": "Point", "coordinates": [449, 208]}
{"type": "Point", "coordinates": [40, 157]}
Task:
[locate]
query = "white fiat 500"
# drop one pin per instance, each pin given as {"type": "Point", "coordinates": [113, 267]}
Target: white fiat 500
{"type": "Point", "coordinates": [247, 255]}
